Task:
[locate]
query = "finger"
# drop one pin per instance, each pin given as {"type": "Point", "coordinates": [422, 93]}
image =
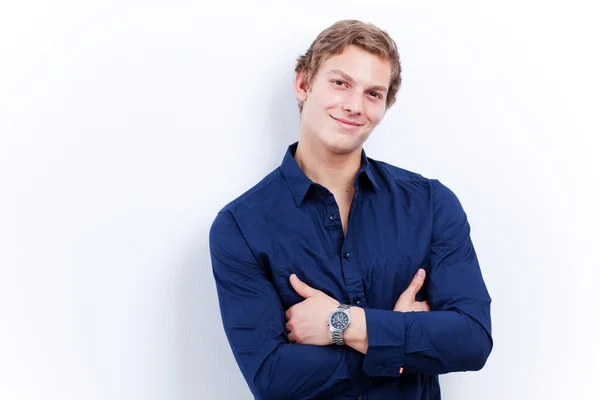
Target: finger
{"type": "Point", "coordinates": [415, 284]}
{"type": "Point", "coordinates": [415, 306]}
{"type": "Point", "coordinates": [288, 314]}
{"type": "Point", "coordinates": [291, 338]}
{"type": "Point", "coordinates": [302, 288]}
{"type": "Point", "coordinates": [420, 306]}
{"type": "Point", "coordinates": [398, 304]}
{"type": "Point", "coordinates": [288, 327]}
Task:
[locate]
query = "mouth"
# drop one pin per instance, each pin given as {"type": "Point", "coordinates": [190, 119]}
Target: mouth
{"type": "Point", "coordinates": [347, 124]}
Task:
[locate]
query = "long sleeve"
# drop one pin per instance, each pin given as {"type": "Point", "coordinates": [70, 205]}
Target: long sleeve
{"type": "Point", "coordinates": [456, 334]}
{"type": "Point", "coordinates": [254, 322]}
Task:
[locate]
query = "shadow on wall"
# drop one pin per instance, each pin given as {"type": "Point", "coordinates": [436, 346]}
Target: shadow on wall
{"type": "Point", "coordinates": [205, 365]}
{"type": "Point", "coordinates": [284, 117]}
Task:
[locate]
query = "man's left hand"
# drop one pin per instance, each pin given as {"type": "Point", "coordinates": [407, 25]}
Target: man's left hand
{"type": "Point", "coordinates": [307, 320]}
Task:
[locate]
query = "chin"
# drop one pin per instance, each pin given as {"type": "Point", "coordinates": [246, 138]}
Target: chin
{"type": "Point", "coordinates": [343, 144]}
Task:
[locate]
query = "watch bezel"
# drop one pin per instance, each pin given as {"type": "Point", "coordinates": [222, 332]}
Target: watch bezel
{"type": "Point", "coordinates": [335, 312]}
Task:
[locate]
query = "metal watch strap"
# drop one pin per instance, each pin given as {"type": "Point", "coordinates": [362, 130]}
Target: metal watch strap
{"type": "Point", "coordinates": [338, 336]}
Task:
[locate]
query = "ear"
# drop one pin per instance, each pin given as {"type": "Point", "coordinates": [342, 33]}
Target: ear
{"type": "Point", "coordinates": [300, 86]}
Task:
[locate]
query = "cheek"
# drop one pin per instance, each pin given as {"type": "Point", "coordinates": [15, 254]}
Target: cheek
{"type": "Point", "coordinates": [317, 99]}
{"type": "Point", "coordinates": [331, 98]}
{"type": "Point", "coordinates": [375, 113]}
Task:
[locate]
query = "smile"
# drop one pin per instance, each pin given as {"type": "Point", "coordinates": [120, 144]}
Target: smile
{"type": "Point", "coordinates": [347, 124]}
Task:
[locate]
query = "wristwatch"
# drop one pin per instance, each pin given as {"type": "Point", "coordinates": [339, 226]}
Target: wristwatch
{"type": "Point", "coordinates": [339, 320]}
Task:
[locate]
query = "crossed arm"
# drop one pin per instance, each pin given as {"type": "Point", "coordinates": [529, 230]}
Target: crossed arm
{"type": "Point", "coordinates": [305, 319]}
{"type": "Point", "coordinates": [454, 336]}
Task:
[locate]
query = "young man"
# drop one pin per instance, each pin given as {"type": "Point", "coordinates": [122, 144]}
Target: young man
{"type": "Point", "coordinates": [343, 277]}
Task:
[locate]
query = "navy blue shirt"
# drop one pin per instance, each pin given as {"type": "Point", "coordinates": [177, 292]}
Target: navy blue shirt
{"type": "Point", "coordinates": [399, 222]}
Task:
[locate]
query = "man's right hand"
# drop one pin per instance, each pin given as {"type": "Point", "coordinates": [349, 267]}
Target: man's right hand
{"type": "Point", "coordinates": [406, 302]}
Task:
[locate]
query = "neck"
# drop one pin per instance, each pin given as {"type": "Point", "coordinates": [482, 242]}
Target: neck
{"type": "Point", "coordinates": [332, 170]}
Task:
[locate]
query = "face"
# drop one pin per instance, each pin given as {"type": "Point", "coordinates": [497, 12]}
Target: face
{"type": "Point", "coordinates": [346, 100]}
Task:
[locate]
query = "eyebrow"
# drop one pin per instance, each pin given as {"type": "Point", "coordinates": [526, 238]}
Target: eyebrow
{"type": "Point", "coordinates": [349, 78]}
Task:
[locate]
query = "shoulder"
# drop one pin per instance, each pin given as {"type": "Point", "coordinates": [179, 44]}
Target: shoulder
{"type": "Point", "coordinates": [402, 179]}
{"type": "Point", "coordinates": [250, 203]}
{"type": "Point", "coordinates": [255, 195]}
{"type": "Point", "coordinates": [396, 173]}
{"type": "Point", "coordinates": [410, 180]}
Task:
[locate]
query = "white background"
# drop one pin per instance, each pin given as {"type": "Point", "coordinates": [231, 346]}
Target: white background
{"type": "Point", "coordinates": [126, 125]}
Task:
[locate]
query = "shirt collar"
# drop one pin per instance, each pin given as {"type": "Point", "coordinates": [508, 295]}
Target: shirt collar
{"type": "Point", "coordinates": [299, 183]}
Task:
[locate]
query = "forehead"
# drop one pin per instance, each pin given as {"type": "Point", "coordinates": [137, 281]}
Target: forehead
{"type": "Point", "coordinates": [365, 68]}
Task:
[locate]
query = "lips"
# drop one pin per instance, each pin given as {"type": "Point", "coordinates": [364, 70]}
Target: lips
{"type": "Point", "coordinates": [347, 123]}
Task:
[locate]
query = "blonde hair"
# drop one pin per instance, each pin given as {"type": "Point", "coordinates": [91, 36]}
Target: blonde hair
{"type": "Point", "coordinates": [337, 37]}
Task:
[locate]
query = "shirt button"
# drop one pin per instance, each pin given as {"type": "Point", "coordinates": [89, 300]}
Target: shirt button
{"type": "Point", "coordinates": [332, 217]}
{"type": "Point", "coordinates": [357, 300]}
{"type": "Point", "coordinates": [346, 255]}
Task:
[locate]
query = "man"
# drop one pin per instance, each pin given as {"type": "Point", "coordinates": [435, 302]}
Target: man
{"type": "Point", "coordinates": [340, 276]}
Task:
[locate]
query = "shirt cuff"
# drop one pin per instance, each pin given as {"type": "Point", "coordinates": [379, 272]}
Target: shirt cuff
{"type": "Point", "coordinates": [386, 333]}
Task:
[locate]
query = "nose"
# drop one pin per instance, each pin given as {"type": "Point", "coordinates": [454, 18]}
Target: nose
{"type": "Point", "coordinates": [354, 103]}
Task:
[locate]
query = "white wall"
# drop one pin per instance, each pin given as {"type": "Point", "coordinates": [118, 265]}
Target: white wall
{"type": "Point", "coordinates": [125, 126]}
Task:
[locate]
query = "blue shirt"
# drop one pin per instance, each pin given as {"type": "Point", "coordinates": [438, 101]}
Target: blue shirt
{"type": "Point", "coordinates": [399, 222]}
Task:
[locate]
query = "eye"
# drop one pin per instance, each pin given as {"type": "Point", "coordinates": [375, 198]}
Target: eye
{"type": "Point", "coordinates": [375, 94]}
{"type": "Point", "coordinates": [337, 82]}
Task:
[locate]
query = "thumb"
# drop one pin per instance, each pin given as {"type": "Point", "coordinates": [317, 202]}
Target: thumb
{"type": "Point", "coordinates": [416, 284]}
{"type": "Point", "coordinates": [302, 288]}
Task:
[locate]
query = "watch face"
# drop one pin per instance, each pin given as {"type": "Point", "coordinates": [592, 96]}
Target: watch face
{"type": "Point", "coordinates": [339, 320]}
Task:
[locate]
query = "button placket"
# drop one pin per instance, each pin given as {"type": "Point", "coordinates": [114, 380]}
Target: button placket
{"type": "Point", "coordinates": [331, 211]}
{"type": "Point", "coordinates": [352, 279]}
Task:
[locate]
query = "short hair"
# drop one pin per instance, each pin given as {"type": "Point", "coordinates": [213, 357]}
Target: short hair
{"type": "Point", "coordinates": [337, 37]}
